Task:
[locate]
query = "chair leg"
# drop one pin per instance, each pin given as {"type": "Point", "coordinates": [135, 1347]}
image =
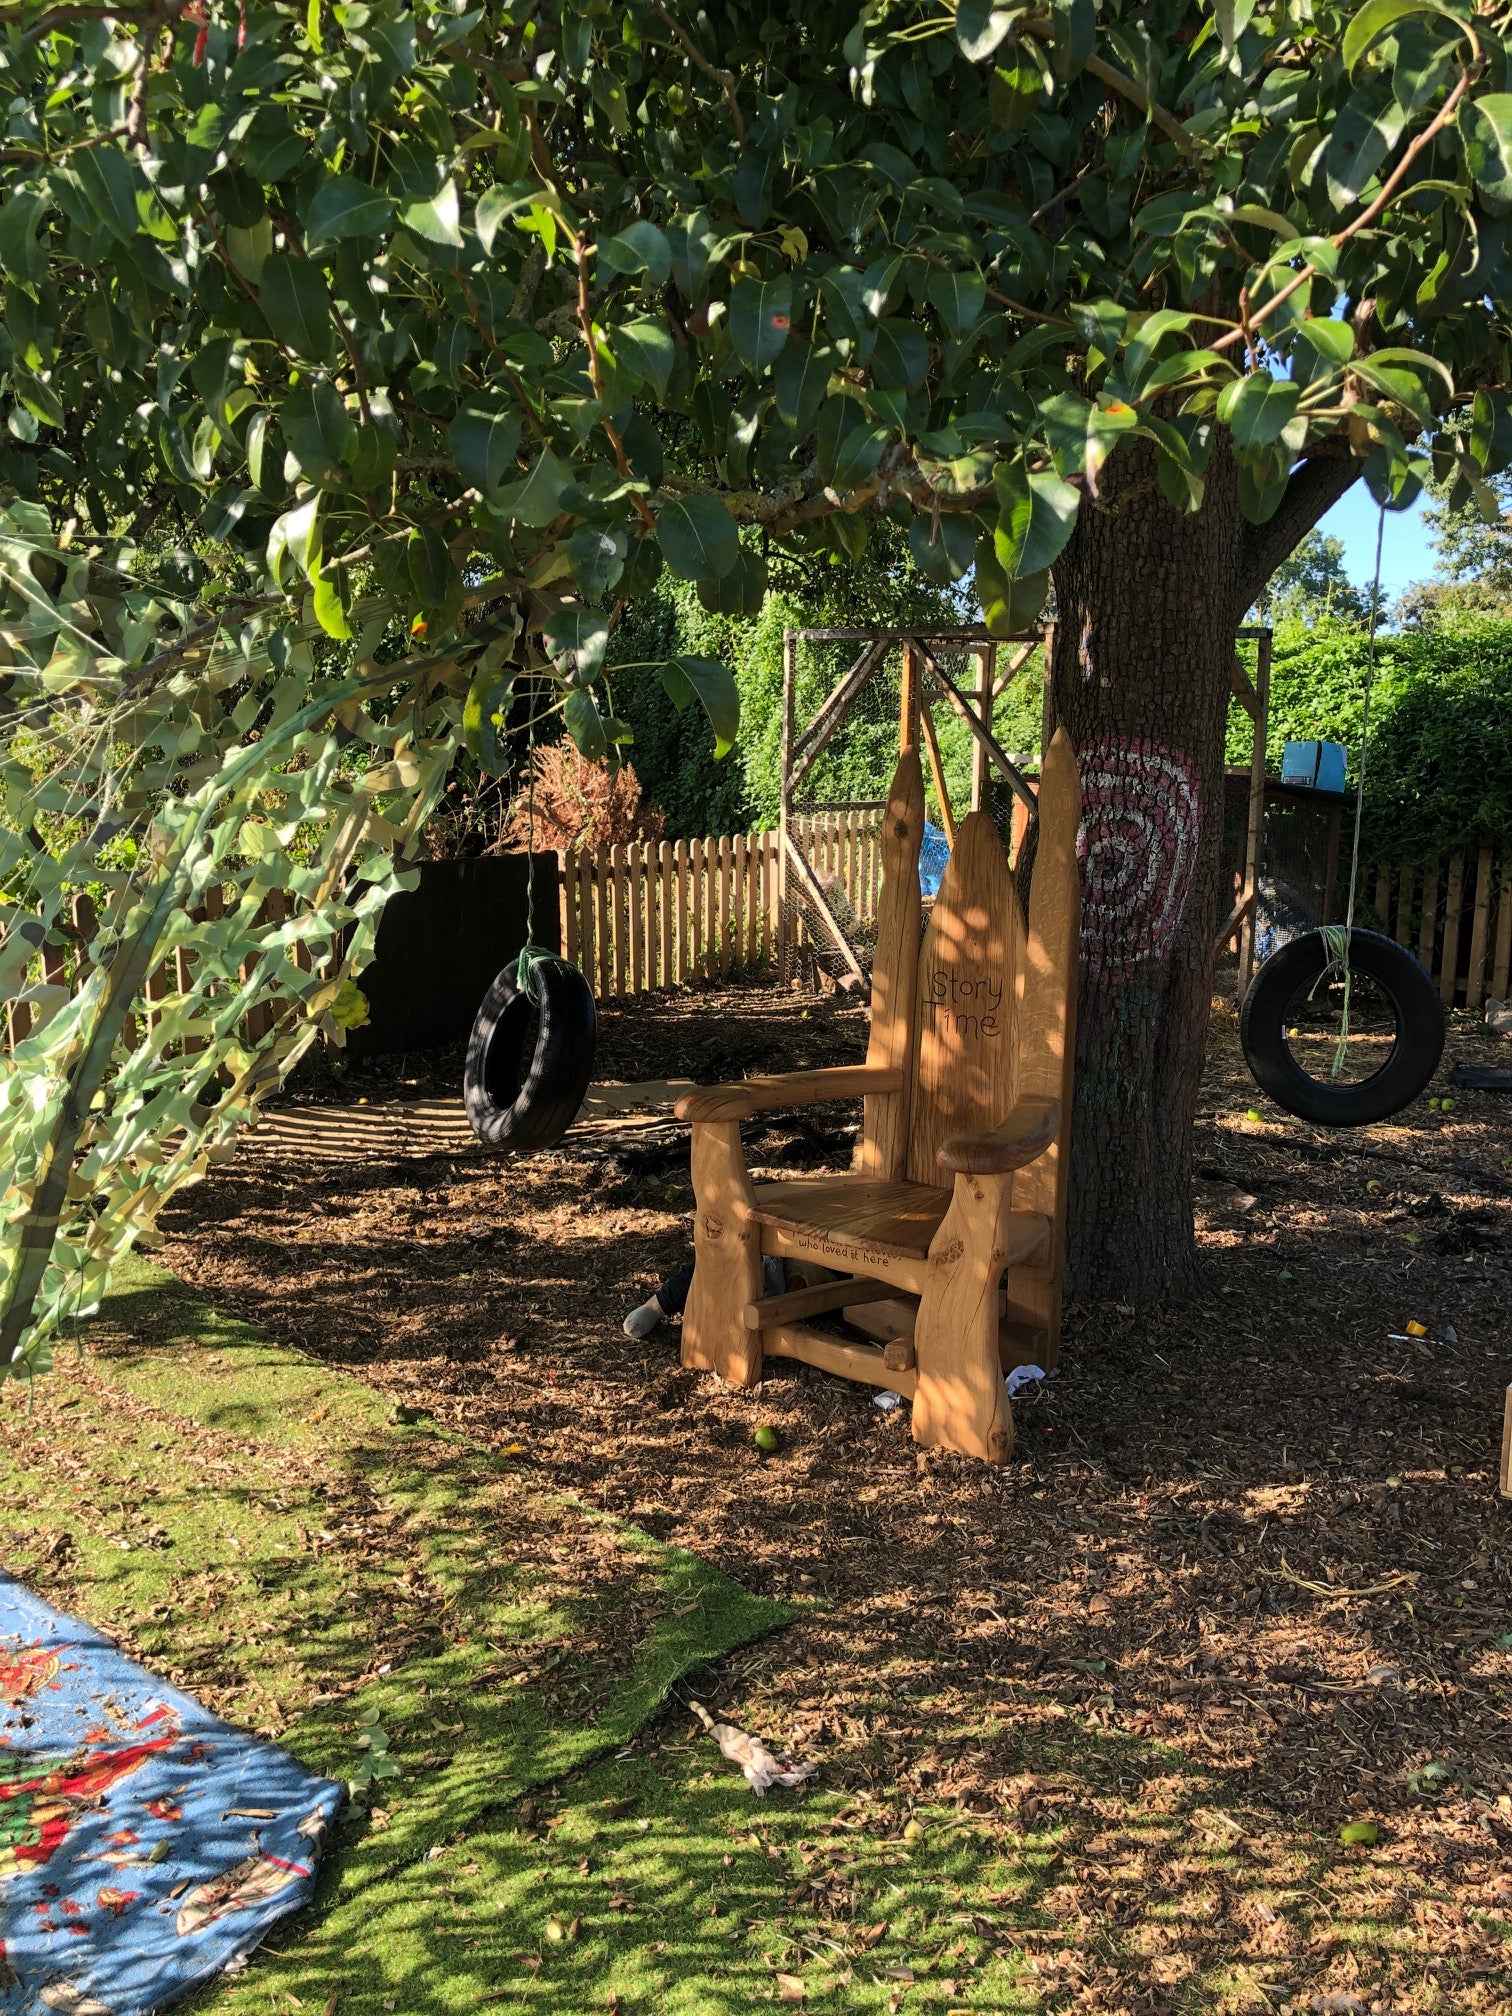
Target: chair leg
{"type": "Point", "coordinates": [726, 1260]}
{"type": "Point", "coordinates": [961, 1401]}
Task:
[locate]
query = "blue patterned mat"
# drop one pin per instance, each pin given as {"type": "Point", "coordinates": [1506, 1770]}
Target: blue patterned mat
{"type": "Point", "coordinates": [144, 1843]}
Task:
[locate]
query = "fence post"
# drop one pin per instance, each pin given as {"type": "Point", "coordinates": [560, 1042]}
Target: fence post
{"type": "Point", "coordinates": [1501, 972]}
{"type": "Point", "coordinates": [634, 861]}
{"type": "Point", "coordinates": [1428, 931]}
{"type": "Point", "coordinates": [1403, 932]}
{"type": "Point", "coordinates": [785, 807]}
{"type": "Point", "coordinates": [1475, 990]}
{"type": "Point", "coordinates": [1452, 905]}
{"type": "Point", "coordinates": [739, 907]}
{"type": "Point", "coordinates": [667, 877]}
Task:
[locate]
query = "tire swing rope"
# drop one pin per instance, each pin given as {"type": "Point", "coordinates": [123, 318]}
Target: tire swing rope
{"type": "Point", "coordinates": [514, 1105]}
{"type": "Point", "coordinates": [1337, 938]}
{"type": "Point", "coordinates": [531, 954]}
{"type": "Point", "coordinates": [1316, 958]}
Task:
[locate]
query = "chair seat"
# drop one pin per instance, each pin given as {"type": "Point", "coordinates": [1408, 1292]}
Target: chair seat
{"type": "Point", "coordinates": [887, 1218]}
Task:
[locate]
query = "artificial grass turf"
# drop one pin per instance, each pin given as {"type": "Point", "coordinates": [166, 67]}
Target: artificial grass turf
{"type": "Point", "coordinates": [259, 1528]}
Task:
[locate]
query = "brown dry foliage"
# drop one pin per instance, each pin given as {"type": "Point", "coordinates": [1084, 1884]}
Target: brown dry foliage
{"type": "Point", "coordinates": [579, 804]}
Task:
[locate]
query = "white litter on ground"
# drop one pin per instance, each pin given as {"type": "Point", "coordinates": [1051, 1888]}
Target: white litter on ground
{"type": "Point", "coordinates": [762, 1769]}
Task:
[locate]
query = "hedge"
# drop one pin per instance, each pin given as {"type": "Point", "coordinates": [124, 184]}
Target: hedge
{"type": "Point", "coordinates": [1439, 773]}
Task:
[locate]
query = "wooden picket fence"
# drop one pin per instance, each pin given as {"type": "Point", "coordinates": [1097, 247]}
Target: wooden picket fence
{"type": "Point", "coordinates": [666, 913]}
{"type": "Point", "coordinates": [656, 914]}
{"type": "Point", "coordinates": [1455, 914]}
{"type": "Point", "coordinates": [650, 914]}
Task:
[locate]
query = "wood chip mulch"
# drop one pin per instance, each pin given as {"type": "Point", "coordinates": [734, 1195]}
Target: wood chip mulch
{"type": "Point", "coordinates": [1251, 1544]}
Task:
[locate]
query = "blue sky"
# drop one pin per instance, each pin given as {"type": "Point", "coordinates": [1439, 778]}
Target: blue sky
{"type": "Point", "coordinates": [1406, 556]}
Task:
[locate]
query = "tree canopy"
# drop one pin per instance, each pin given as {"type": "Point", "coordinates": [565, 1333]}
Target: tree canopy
{"type": "Point", "coordinates": [374, 355]}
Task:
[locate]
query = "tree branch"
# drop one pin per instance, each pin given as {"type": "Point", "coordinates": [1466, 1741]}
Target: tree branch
{"type": "Point", "coordinates": [1156, 114]}
{"type": "Point", "coordinates": [723, 78]}
{"type": "Point", "coordinates": [1313, 489]}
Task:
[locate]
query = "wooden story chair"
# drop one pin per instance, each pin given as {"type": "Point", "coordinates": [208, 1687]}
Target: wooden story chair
{"type": "Point", "coordinates": [959, 1176]}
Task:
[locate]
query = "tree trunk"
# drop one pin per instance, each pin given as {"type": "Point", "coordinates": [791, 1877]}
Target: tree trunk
{"type": "Point", "coordinates": [1148, 601]}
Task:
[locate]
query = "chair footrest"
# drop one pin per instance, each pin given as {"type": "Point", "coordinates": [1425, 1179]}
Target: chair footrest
{"type": "Point", "coordinates": [797, 1303]}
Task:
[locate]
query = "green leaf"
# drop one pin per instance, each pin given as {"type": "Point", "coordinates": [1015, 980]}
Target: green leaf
{"type": "Point", "coordinates": [1332, 339]}
{"type": "Point", "coordinates": [596, 555]}
{"type": "Point", "coordinates": [1262, 484]}
{"type": "Point", "coordinates": [698, 537]}
{"type": "Point", "coordinates": [693, 242]}
{"type": "Point", "coordinates": [1175, 211]}
{"type": "Point", "coordinates": [437, 220]}
{"type": "Point", "coordinates": [801, 379]}
{"type": "Point", "coordinates": [294, 300]}
{"type": "Point", "coordinates": [1009, 607]}
{"type": "Point", "coordinates": [22, 253]}
{"type": "Point", "coordinates": [1082, 434]}
{"type": "Point", "coordinates": [1256, 408]}
{"type": "Point", "coordinates": [346, 208]}
{"type": "Point", "coordinates": [641, 247]}
{"type": "Point", "coordinates": [942, 548]}
{"type": "Point", "coordinates": [645, 349]}
{"type": "Point", "coordinates": [713, 686]}
{"type": "Point", "coordinates": [979, 27]}
{"type": "Point", "coordinates": [1036, 517]}
{"type": "Point", "coordinates": [1486, 127]}
{"type": "Point", "coordinates": [485, 435]}
{"type": "Point", "coordinates": [581, 635]}
{"type": "Point", "coordinates": [761, 314]}
{"type": "Point", "coordinates": [536, 500]}
{"type": "Point", "coordinates": [320, 431]}
{"type": "Point", "coordinates": [432, 569]}
{"type": "Point", "coordinates": [503, 200]}
{"type": "Point", "coordinates": [1359, 145]}
{"type": "Point", "coordinates": [741, 592]}
{"type": "Point", "coordinates": [1233, 17]}
{"type": "Point", "coordinates": [483, 713]}
{"type": "Point", "coordinates": [857, 455]}
{"type": "Point", "coordinates": [900, 361]}
{"type": "Point", "coordinates": [110, 185]}
{"type": "Point", "coordinates": [1376, 17]}
{"type": "Point", "coordinates": [265, 456]}
{"type": "Point", "coordinates": [960, 298]}
{"type": "Point", "coordinates": [585, 725]}
{"type": "Point", "coordinates": [1401, 384]}
{"type": "Point", "coordinates": [296, 533]}
{"type": "Point", "coordinates": [325, 599]}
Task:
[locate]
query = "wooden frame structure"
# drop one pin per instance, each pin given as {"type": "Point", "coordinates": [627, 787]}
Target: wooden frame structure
{"type": "Point", "coordinates": [923, 678]}
{"type": "Point", "coordinates": [945, 1242]}
{"type": "Point", "coordinates": [1253, 696]}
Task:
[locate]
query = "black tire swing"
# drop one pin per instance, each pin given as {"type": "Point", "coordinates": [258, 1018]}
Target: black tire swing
{"type": "Point", "coordinates": [1402, 1037]}
{"type": "Point", "coordinates": [515, 1106]}
{"type": "Point", "coordinates": [525, 1106]}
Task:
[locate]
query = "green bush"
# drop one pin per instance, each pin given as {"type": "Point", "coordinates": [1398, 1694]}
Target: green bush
{"type": "Point", "coordinates": [1439, 773]}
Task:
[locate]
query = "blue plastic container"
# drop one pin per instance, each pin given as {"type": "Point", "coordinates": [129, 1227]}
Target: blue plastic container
{"type": "Point", "coordinates": [1320, 765]}
{"type": "Point", "coordinates": [934, 859]}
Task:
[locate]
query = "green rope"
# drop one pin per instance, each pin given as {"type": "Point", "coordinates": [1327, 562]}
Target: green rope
{"type": "Point", "coordinates": [1337, 939]}
{"type": "Point", "coordinates": [531, 954]}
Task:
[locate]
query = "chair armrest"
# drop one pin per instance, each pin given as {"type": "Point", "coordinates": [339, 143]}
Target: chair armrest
{"type": "Point", "coordinates": [794, 1088]}
{"type": "Point", "coordinates": [1022, 1138]}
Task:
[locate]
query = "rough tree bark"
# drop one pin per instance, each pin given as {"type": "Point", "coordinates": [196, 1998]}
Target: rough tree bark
{"type": "Point", "coordinates": [1148, 600]}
